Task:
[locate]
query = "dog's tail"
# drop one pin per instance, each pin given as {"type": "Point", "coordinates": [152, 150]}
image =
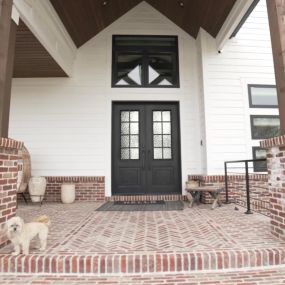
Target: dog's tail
{"type": "Point", "coordinates": [44, 219]}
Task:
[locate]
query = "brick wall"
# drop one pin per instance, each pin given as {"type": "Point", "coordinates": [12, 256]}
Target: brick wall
{"type": "Point", "coordinates": [8, 181]}
{"type": "Point", "coordinates": [87, 188]}
{"type": "Point", "coordinates": [276, 178]}
{"type": "Point", "coordinates": [259, 192]}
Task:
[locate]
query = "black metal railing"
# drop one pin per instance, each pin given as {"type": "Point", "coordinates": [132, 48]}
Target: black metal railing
{"type": "Point", "coordinates": [248, 188]}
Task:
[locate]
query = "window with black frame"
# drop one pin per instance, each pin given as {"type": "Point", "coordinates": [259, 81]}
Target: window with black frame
{"type": "Point", "coordinates": [259, 153]}
{"type": "Point", "coordinates": [145, 61]}
{"type": "Point", "coordinates": [262, 96]}
{"type": "Point", "coordinates": [264, 126]}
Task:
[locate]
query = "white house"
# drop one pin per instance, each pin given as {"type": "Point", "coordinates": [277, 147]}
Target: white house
{"type": "Point", "coordinates": [146, 104]}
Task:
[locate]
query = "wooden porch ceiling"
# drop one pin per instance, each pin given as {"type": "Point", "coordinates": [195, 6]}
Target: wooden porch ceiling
{"type": "Point", "coordinates": [85, 18]}
{"type": "Point", "coordinates": [31, 58]}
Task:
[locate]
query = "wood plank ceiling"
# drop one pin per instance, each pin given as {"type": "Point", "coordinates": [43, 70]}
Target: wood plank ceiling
{"type": "Point", "coordinates": [84, 19]}
{"type": "Point", "coordinates": [31, 58]}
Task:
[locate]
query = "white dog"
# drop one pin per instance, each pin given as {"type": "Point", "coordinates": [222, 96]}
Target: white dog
{"type": "Point", "coordinates": [21, 233]}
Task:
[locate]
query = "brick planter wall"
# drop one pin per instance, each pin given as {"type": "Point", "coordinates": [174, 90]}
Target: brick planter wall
{"type": "Point", "coordinates": [276, 178]}
{"type": "Point", "coordinates": [236, 184]}
{"type": "Point", "coordinates": [8, 181]}
{"type": "Point", "coordinates": [87, 188]}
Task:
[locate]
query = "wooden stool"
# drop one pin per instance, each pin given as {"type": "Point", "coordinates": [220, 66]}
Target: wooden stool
{"type": "Point", "coordinates": [194, 194]}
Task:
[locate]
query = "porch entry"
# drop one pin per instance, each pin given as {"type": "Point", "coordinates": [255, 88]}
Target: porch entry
{"type": "Point", "coordinates": [145, 149]}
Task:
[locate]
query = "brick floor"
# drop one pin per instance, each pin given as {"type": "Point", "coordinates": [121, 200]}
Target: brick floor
{"type": "Point", "coordinates": [268, 276]}
{"type": "Point", "coordinates": [83, 240]}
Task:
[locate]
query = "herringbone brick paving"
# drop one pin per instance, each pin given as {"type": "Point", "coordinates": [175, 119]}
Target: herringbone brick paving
{"type": "Point", "coordinates": [78, 228]}
{"type": "Point", "coordinates": [269, 276]}
{"type": "Point", "coordinates": [84, 241]}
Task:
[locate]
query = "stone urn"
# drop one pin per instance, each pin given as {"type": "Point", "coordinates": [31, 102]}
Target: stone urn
{"type": "Point", "coordinates": [67, 193]}
{"type": "Point", "coordinates": [37, 188]}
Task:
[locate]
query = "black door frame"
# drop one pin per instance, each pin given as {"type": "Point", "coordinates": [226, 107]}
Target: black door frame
{"type": "Point", "coordinates": [177, 103]}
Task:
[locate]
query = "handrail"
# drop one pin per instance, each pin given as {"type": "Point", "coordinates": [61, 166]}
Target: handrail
{"type": "Point", "coordinates": [246, 167]}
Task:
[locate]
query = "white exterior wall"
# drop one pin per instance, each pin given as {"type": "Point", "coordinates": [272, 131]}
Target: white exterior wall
{"type": "Point", "coordinates": [66, 122]}
{"type": "Point", "coordinates": [246, 59]}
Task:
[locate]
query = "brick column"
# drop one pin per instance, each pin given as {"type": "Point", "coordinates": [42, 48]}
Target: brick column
{"type": "Point", "coordinates": [276, 183]}
{"type": "Point", "coordinates": [8, 181]}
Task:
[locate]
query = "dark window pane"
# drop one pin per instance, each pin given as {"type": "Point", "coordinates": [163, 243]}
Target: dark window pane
{"type": "Point", "coordinates": [129, 70]}
{"type": "Point", "coordinates": [160, 70]}
{"type": "Point", "coordinates": [263, 96]}
{"type": "Point", "coordinates": [142, 61]}
{"type": "Point", "coordinates": [265, 127]}
{"type": "Point", "coordinates": [145, 41]}
{"type": "Point", "coordinates": [259, 153]}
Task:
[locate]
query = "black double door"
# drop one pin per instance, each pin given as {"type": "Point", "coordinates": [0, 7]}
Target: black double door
{"type": "Point", "coordinates": [145, 149]}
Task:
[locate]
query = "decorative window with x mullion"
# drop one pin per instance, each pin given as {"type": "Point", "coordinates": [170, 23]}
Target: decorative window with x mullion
{"type": "Point", "coordinates": [145, 61]}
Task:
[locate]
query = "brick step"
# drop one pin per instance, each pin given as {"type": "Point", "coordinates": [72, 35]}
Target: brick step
{"type": "Point", "coordinates": [123, 198]}
{"type": "Point", "coordinates": [141, 263]}
{"type": "Point", "coordinates": [271, 275]}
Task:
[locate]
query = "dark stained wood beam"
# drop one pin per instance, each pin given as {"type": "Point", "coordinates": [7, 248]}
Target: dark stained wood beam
{"type": "Point", "coordinates": [7, 46]}
{"type": "Point", "coordinates": [276, 17]}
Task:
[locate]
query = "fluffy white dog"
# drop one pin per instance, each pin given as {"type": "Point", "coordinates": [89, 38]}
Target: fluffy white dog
{"type": "Point", "coordinates": [21, 234]}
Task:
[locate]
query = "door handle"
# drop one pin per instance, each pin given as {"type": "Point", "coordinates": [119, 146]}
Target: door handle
{"type": "Point", "coordinates": [149, 158]}
{"type": "Point", "coordinates": [143, 159]}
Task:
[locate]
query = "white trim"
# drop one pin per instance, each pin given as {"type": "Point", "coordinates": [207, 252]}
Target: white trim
{"type": "Point", "coordinates": [43, 21]}
{"type": "Point", "coordinates": [238, 11]}
{"type": "Point", "coordinates": [15, 15]}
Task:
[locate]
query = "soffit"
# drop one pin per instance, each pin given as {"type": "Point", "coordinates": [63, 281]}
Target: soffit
{"type": "Point", "coordinates": [84, 19]}
{"type": "Point", "coordinates": [31, 58]}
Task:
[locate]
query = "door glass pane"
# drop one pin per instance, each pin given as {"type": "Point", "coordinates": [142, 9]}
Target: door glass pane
{"type": "Point", "coordinates": [125, 154]}
{"type": "Point", "coordinates": [157, 153]}
{"type": "Point", "coordinates": [166, 128]}
{"type": "Point", "coordinates": [167, 153]}
{"type": "Point", "coordinates": [157, 141]}
{"type": "Point", "coordinates": [134, 153]}
{"type": "Point", "coordinates": [125, 141]}
{"type": "Point", "coordinates": [166, 116]}
{"type": "Point", "coordinates": [134, 128]}
{"type": "Point", "coordinates": [156, 116]}
{"type": "Point", "coordinates": [129, 135]}
{"type": "Point", "coordinates": [162, 148]}
{"type": "Point", "coordinates": [134, 116]}
{"type": "Point", "coordinates": [134, 141]}
{"type": "Point", "coordinates": [167, 141]}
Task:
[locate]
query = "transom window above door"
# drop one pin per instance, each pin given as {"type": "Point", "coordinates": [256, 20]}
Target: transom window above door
{"type": "Point", "coordinates": [145, 61]}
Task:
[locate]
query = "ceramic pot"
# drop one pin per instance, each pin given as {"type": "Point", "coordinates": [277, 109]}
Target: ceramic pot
{"type": "Point", "coordinates": [67, 193]}
{"type": "Point", "coordinates": [37, 188]}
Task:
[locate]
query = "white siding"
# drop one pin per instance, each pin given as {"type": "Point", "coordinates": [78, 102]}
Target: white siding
{"type": "Point", "coordinates": [246, 59]}
{"type": "Point", "coordinates": [66, 123]}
